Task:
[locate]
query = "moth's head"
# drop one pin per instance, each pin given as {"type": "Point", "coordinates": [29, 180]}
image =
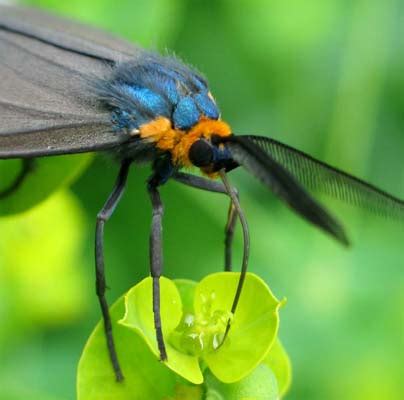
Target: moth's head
{"type": "Point", "coordinates": [211, 155]}
{"type": "Point", "coordinates": [203, 147]}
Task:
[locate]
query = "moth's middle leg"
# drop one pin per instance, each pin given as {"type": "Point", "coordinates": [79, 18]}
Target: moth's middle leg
{"type": "Point", "coordinates": [156, 262]}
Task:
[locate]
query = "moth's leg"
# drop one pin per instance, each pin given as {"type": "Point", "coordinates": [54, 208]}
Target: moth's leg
{"type": "Point", "coordinates": [26, 168]}
{"type": "Point", "coordinates": [102, 217]}
{"type": "Point", "coordinates": [156, 262]}
{"type": "Point", "coordinates": [246, 249]}
{"type": "Point", "coordinates": [229, 234]}
{"type": "Point", "coordinates": [216, 187]}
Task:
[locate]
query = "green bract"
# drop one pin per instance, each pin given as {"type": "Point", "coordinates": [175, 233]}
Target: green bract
{"type": "Point", "coordinates": [278, 360]}
{"type": "Point", "coordinates": [254, 326]}
{"type": "Point", "coordinates": [261, 384]}
{"type": "Point", "coordinates": [139, 316]}
{"type": "Point", "coordinates": [145, 376]}
{"type": "Point", "coordinates": [194, 319]}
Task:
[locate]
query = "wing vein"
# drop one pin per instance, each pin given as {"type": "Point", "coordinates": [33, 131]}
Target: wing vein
{"type": "Point", "coordinates": [319, 176]}
{"type": "Point", "coordinates": [55, 44]}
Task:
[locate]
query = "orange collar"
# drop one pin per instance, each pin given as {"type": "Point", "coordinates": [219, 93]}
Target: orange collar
{"type": "Point", "coordinates": [177, 142]}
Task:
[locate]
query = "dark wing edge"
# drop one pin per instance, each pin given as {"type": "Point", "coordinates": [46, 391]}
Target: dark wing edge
{"type": "Point", "coordinates": [65, 34]}
{"type": "Point", "coordinates": [319, 176]}
{"type": "Point", "coordinates": [283, 184]}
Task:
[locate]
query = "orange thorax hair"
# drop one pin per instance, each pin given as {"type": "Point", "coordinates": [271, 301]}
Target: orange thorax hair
{"type": "Point", "coordinates": [177, 142]}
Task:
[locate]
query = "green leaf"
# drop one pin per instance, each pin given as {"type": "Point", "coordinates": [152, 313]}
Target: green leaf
{"type": "Point", "coordinates": [48, 175]}
{"type": "Point", "coordinates": [139, 317]}
{"type": "Point", "coordinates": [253, 329]}
{"type": "Point", "coordinates": [145, 376]}
{"type": "Point", "coordinates": [39, 254]}
{"type": "Point", "coordinates": [279, 362]}
{"type": "Point", "coordinates": [259, 385]}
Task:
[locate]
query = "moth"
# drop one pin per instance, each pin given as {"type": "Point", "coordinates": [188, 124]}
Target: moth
{"type": "Point", "coordinates": [67, 88]}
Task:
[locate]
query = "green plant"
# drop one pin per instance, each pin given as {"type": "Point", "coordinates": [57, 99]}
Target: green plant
{"type": "Point", "coordinates": [250, 364]}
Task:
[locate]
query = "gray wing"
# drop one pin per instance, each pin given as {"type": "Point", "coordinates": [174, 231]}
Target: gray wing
{"type": "Point", "coordinates": [46, 103]}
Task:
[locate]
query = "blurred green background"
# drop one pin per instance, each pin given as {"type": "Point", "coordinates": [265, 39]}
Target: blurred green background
{"type": "Point", "coordinates": [323, 76]}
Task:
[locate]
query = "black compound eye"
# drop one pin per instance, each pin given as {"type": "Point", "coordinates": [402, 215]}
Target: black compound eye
{"type": "Point", "coordinates": [201, 153]}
